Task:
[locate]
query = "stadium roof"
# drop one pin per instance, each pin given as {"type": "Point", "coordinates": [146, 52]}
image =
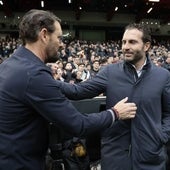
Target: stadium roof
{"type": "Point", "coordinates": [140, 8]}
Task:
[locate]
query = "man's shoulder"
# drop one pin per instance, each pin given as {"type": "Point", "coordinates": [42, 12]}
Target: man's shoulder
{"type": "Point", "coordinates": [115, 65]}
{"type": "Point", "coordinates": [158, 70]}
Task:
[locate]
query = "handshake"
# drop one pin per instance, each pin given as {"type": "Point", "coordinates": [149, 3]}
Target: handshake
{"type": "Point", "coordinates": [124, 110]}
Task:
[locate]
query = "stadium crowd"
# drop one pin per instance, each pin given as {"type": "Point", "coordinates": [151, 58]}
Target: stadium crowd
{"type": "Point", "coordinates": [80, 60]}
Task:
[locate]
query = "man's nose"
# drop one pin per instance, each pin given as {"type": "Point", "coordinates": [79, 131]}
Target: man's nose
{"type": "Point", "coordinates": [125, 46]}
{"type": "Point", "coordinates": [61, 45]}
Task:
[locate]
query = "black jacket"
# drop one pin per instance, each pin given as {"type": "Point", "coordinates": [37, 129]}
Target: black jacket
{"type": "Point", "coordinates": [29, 99]}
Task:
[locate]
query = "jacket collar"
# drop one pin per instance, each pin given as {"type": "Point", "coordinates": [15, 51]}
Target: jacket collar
{"type": "Point", "coordinates": [146, 66]}
{"type": "Point", "coordinates": [24, 52]}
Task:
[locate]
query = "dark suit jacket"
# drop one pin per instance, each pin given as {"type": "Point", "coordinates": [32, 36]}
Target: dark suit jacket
{"type": "Point", "coordinates": [138, 144]}
{"type": "Point", "coordinates": [29, 99]}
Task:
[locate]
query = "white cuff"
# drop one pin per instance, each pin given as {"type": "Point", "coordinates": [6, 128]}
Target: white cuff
{"type": "Point", "coordinates": [113, 115]}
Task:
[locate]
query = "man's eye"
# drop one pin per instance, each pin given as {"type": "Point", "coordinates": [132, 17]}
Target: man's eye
{"type": "Point", "coordinates": [132, 42]}
{"type": "Point", "coordinates": [60, 38]}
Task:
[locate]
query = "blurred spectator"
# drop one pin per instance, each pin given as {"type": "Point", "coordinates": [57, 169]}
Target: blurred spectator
{"type": "Point", "coordinates": [85, 74]}
{"type": "Point", "coordinates": [95, 68]}
{"type": "Point", "coordinates": [77, 77]}
{"type": "Point", "coordinates": [167, 63]}
{"type": "Point", "coordinates": [103, 62]}
{"type": "Point", "coordinates": [76, 61]}
{"type": "Point", "coordinates": [68, 71]}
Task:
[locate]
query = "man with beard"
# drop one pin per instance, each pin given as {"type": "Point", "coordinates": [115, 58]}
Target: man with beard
{"type": "Point", "coordinates": [30, 97]}
{"type": "Point", "coordinates": [137, 144]}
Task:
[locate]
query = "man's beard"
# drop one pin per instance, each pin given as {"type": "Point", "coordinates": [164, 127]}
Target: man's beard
{"type": "Point", "coordinates": [137, 57]}
{"type": "Point", "coordinates": [52, 59]}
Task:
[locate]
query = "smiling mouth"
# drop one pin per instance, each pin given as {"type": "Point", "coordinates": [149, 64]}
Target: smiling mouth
{"type": "Point", "coordinates": [128, 54]}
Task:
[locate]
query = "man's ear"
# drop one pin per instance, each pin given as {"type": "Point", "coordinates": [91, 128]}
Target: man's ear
{"type": "Point", "coordinates": [147, 46]}
{"type": "Point", "coordinates": [44, 35]}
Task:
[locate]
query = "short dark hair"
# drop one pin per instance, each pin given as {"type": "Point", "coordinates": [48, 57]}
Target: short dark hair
{"type": "Point", "coordinates": [143, 28]}
{"type": "Point", "coordinates": [33, 21]}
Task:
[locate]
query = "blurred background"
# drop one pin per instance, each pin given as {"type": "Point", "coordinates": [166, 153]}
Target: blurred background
{"type": "Point", "coordinates": [87, 19]}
